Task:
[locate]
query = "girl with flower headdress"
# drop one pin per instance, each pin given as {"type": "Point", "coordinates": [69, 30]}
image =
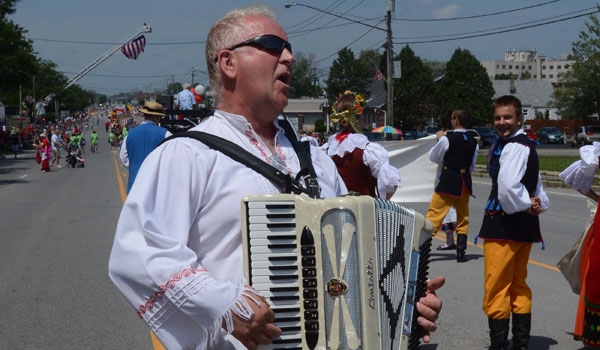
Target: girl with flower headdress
{"type": "Point", "coordinates": [363, 165]}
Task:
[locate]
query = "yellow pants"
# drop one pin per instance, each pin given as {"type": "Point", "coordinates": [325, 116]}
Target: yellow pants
{"type": "Point", "coordinates": [439, 206]}
{"type": "Point", "coordinates": [505, 272]}
{"type": "Point", "coordinates": [156, 343]}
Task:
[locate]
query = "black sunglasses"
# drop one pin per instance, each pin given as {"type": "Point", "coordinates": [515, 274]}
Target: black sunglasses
{"type": "Point", "coordinates": [269, 42]}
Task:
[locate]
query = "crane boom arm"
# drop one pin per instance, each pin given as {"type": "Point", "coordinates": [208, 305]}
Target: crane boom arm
{"type": "Point", "coordinates": [145, 29]}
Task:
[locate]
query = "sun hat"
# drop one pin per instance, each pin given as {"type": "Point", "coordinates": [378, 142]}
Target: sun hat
{"type": "Point", "coordinates": [152, 108]}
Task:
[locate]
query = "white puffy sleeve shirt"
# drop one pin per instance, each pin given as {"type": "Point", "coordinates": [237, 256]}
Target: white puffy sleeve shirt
{"type": "Point", "coordinates": [512, 194]}
{"type": "Point", "coordinates": [177, 254]}
{"type": "Point", "coordinates": [374, 156]}
{"type": "Point", "coordinates": [580, 174]}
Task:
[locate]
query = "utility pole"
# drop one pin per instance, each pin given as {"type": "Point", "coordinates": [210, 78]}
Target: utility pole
{"type": "Point", "coordinates": [390, 67]}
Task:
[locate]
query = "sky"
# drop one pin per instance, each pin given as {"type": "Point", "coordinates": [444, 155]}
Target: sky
{"type": "Point", "coordinates": [74, 34]}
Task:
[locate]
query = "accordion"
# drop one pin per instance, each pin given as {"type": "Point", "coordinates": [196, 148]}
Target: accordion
{"type": "Point", "coordinates": [339, 273]}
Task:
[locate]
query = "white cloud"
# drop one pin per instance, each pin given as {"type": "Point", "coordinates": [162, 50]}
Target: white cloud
{"type": "Point", "coordinates": [447, 11]}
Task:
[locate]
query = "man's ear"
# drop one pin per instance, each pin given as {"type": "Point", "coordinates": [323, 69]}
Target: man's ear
{"type": "Point", "coordinates": [227, 64]}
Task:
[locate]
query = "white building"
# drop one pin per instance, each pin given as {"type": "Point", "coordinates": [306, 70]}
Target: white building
{"type": "Point", "coordinates": [538, 67]}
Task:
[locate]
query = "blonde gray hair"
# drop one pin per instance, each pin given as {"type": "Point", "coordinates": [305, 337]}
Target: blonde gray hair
{"type": "Point", "coordinates": [226, 32]}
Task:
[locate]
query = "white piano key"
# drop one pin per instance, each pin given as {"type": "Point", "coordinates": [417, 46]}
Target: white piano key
{"type": "Point", "coordinates": [267, 250]}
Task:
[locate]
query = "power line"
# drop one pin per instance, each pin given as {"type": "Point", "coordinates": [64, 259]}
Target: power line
{"type": "Point", "coordinates": [498, 28]}
{"type": "Point", "coordinates": [496, 32]}
{"type": "Point", "coordinates": [475, 16]}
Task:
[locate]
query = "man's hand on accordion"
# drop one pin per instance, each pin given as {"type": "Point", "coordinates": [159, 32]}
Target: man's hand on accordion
{"type": "Point", "coordinates": [429, 306]}
{"type": "Point", "coordinates": [259, 329]}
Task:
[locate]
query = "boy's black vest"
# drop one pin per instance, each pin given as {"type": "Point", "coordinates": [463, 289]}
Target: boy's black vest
{"type": "Point", "coordinates": [520, 226]}
{"type": "Point", "coordinates": [457, 163]}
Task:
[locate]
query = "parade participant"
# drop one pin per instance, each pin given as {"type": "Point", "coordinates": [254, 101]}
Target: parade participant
{"type": "Point", "coordinates": [57, 144]}
{"type": "Point", "coordinates": [142, 139]}
{"type": "Point", "coordinates": [510, 226]}
{"type": "Point", "coordinates": [177, 254]}
{"type": "Point", "coordinates": [185, 98]}
{"type": "Point", "coordinates": [94, 141]}
{"type": "Point", "coordinates": [457, 154]}
{"type": "Point", "coordinates": [363, 165]}
{"type": "Point", "coordinates": [580, 176]}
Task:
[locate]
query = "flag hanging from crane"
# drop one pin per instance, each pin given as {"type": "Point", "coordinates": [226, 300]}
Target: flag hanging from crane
{"type": "Point", "coordinates": [134, 48]}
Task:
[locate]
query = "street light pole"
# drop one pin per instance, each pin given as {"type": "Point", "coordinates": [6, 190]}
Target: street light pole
{"type": "Point", "coordinates": [388, 54]}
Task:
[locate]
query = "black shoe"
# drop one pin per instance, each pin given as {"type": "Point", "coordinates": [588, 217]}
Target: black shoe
{"type": "Point", "coordinates": [445, 246]}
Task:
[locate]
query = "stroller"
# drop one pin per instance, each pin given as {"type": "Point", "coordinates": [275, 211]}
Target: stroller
{"type": "Point", "coordinates": [74, 159]}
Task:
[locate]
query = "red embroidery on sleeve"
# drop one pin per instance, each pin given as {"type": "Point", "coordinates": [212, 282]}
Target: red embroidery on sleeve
{"type": "Point", "coordinates": [163, 288]}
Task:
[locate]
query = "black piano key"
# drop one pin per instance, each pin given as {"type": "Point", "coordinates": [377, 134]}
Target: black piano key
{"type": "Point", "coordinates": [282, 225]}
{"type": "Point", "coordinates": [280, 310]}
{"type": "Point", "coordinates": [281, 216]}
{"type": "Point", "coordinates": [307, 251]}
{"type": "Point", "coordinates": [311, 316]}
{"type": "Point", "coordinates": [283, 289]}
{"type": "Point", "coordinates": [281, 246]}
{"type": "Point", "coordinates": [283, 278]}
{"type": "Point", "coordinates": [309, 261]}
{"type": "Point", "coordinates": [307, 237]}
{"type": "Point", "coordinates": [286, 341]}
{"type": "Point", "coordinates": [282, 258]}
{"type": "Point", "coordinates": [293, 329]}
{"type": "Point", "coordinates": [309, 282]}
{"type": "Point", "coordinates": [311, 326]}
{"type": "Point", "coordinates": [287, 319]}
{"type": "Point", "coordinates": [310, 293]}
{"type": "Point", "coordinates": [281, 237]}
{"type": "Point", "coordinates": [284, 297]}
{"type": "Point", "coordinates": [283, 268]}
{"type": "Point", "coordinates": [311, 304]}
{"type": "Point", "coordinates": [312, 338]}
{"type": "Point", "coordinates": [280, 206]}
{"type": "Point", "coordinates": [309, 272]}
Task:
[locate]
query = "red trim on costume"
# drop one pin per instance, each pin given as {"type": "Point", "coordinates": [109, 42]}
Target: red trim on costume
{"type": "Point", "coordinates": [163, 288]}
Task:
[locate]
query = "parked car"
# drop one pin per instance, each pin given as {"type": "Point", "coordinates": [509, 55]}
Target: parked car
{"type": "Point", "coordinates": [374, 136]}
{"type": "Point", "coordinates": [473, 133]}
{"type": "Point", "coordinates": [431, 130]}
{"type": "Point", "coordinates": [488, 136]}
{"type": "Point", "coordinates": [530, 133]}
{"type": "Point", "coordinates": [413, 135]}
{"type": "Point", "coordinates": [550, 134]}
{"type": "Point", "coordinates": [587, 134]}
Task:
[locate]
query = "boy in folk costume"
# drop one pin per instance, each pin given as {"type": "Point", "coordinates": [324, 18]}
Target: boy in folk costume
{"type": "Point", "coordinates": [510, 226]}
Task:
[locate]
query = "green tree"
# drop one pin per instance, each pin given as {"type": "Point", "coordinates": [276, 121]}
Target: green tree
{"type": "Point", "coordinates": [577, 94]}
{"type": "Point", "coordinates": [465, 85]}
{"type": "Point", "coordinates": [304, 81]}
{"type": "Point", "coordinates": [17, 57]}
{"type": "Point", "coordinates": [413, 92]}
{"type": "Point", "coordinates": [348, 73]}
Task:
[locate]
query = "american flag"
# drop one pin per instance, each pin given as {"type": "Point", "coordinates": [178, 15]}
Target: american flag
{"type": "Point", "coordinates": [377, 75]}
{"type": "Point", "coordinates": [134, 48]}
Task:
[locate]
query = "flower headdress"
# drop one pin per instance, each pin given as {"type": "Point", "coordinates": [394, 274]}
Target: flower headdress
{"type": "Point", "coordinates": [349, 114]}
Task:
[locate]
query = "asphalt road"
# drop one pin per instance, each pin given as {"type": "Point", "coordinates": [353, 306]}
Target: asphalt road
{"type": "Point", "coordinates": [57, 230]}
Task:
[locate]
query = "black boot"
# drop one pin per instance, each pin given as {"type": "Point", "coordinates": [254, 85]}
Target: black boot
{"type": "Point", "coordinates": [461, 246]}
{"type": "Point", "coordinates": [521, 327]}
{"type": "Point", "coordinates": [498, 333]}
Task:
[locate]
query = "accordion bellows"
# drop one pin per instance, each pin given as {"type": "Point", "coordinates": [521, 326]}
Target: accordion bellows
{"type": "Point", "coordinates": [339, 273]}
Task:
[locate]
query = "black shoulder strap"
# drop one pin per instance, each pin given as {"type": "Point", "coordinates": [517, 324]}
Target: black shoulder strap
{"type": "Point", "coordinates": [307, 169]}
{"type": "Point", "coordinates": [240, 155]}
